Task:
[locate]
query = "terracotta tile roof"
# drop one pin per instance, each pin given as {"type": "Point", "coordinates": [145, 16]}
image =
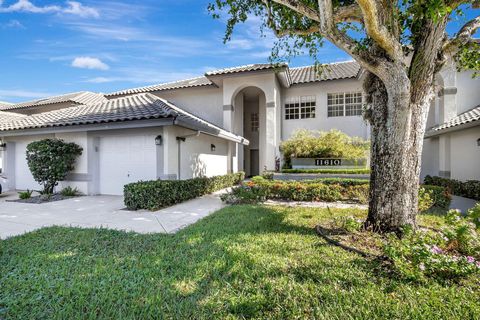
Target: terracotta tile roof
{"type": "Point", "coordinates": [135, 107]}
{"type": "Point", "coordinates": [9, 116]}
{"type": "Point", "coordinates": [188, 83]}
{"type": "Point", "coordinates": [246, 68]}
{"type": "Point", "coordinates": [469, 116]}
{"type": "Point", "coordinates": [333, 71]}
{"type": "Point", "coordinates": [342, 70]}
{"type": "Point", "coordinates": [83, 97]}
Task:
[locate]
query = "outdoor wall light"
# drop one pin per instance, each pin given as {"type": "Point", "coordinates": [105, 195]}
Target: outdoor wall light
{"type": "Point", "coordinates": [3, 146]}
{"type": "Point", "coordinates": [212, 147]}
{"type": "Point", "coordinates": [159, 140]}
{"type": "Point", "coordinates": [478, 142]}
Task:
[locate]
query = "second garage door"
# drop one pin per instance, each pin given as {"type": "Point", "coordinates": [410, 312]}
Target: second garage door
{"type": "Point", "coordinates": [125, 159]}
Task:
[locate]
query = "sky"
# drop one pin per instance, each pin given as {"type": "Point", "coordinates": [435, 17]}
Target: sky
{"type": "Point", "coordinates": [55, 47]}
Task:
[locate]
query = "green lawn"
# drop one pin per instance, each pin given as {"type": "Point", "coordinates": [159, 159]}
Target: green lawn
{"type": "Point", "coordinates": [242, 262]}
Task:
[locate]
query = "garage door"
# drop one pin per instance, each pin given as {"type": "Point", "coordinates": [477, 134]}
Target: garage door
{"type": "Point", "coordinates": [23, 177]}
{"type": "Point", "coordinates": [125, 159]}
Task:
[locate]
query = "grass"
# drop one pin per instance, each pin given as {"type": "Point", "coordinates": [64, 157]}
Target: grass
{"type": "Point", "coordinates": [242, 262]}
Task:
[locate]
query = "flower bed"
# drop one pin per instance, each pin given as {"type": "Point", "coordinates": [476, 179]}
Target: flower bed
{"type": "Point", "coordinates": [327, 190]}
{"type": "Point", "coordinates": [328, 171]}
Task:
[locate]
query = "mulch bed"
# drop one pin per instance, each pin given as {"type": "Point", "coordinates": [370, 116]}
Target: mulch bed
{"type": "Point", "coordinates": [42, 199]}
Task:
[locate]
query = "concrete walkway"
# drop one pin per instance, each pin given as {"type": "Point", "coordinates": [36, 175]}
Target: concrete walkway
{"type": "Point", "coordinates": [462, 204]}
{"type": "Point", "coordinates": [101, 212]}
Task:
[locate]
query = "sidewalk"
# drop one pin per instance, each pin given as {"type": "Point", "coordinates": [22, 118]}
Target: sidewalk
{"type": "Point", "coordinates": [102, 212]}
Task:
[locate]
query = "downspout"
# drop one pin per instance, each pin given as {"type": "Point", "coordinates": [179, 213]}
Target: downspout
{"type": "Point", "coordinates": [181, 139]}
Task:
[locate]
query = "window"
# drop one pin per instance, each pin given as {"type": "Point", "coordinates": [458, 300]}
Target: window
{"type": "Point", "coordinates": [300, 108]}
{"type": "Point", "coordinates": [254, 122]}
{"type": "Point", "coordinates": [344, 104]}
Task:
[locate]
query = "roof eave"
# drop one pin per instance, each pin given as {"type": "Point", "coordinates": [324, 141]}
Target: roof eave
{"type": "Point", "coordinates": [471, 124]}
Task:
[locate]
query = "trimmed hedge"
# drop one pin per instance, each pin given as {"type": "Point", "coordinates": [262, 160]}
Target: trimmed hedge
{"type": "Point", "coordinates": [331, 190]}
{"type": "Point", "coordinates": [157, 194]}
{"type": "Point", "coordinates": [328, 171]}
{"type": "Point", "coordinates": [469, 189]}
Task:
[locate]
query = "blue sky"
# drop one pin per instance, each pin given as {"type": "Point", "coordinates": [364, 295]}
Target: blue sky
{"type": "Point", "coordinates": [54, 47]}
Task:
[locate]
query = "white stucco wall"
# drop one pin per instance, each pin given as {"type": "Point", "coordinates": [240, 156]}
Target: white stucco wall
{"type": "Point", "coordinates": [205, 102]}
{"type": "Point", "coordinates": [468, 91]}
{"type": "Point", "coordinates": [197, 158]}
{"type": "Point", "coordinates": [353, 126]}
{"type": "Point", "coordinates": [465, 154]}
{"type": "Point", "coordinates": [430, 158]}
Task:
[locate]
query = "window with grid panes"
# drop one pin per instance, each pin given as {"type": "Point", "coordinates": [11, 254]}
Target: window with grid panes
{"type": "Point", "coordinates": [300, 108]}
{"type": "Point", "coordinates": [344, 104]}
{"type": "Point", "coordinates": [254, 122]}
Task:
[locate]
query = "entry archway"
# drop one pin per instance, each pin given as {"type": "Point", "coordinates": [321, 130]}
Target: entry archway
{"type": "Point", "coordinates": [250, 121]}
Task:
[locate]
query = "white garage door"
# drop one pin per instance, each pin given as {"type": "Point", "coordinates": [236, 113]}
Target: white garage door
{"type": "Point", "coordinates": [126, 159]}
{"type": "Point", "coordinates": [23, 177]}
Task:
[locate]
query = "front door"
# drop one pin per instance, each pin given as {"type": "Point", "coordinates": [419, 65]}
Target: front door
{"type": "Point", "coordinates": [254, 163]}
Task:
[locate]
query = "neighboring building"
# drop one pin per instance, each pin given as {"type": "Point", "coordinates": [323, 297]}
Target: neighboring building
{"type": "Point", "coordinates": [228, 120]}
{"type": "Point", "coordinates": [452, 145]}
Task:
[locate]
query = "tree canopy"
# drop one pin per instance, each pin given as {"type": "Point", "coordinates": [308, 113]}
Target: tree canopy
{"type": "Point", "coordinates": [397, 29]}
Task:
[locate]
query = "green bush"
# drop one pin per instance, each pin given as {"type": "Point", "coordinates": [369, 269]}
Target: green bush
{"type": "Point", "coordinates": [25, 194]}
{"type": "Point", "coordinates": [50, 160]}
{"type": "Point", "coordinates": [157, 194]}
{"type": "Point", "coordinates": [468, 189]}
{"type": "Point", "coordinates": [318, 144]}
{"type": "Point", "coordinates": [441, 196]}
{"type": "Point", "coordinates": [328, 171]}
{"type": "Point", "coordinates": [328, 190]}
{"type": "Point", "coordinates": [69, 192]}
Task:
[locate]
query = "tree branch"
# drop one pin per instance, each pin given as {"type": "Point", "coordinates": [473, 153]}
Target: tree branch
{"type": "Point", "coordinates": [300, 8]}
{"type": "Point", "coordinates": [379, 33]}
{"type": "Point", "coordinates": [351, 13]}
{"type": "Point", "coordinates": [463, 36]}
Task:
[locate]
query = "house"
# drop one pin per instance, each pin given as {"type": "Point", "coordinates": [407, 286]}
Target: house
{"type": "Point", "coordinates": [225, 121]}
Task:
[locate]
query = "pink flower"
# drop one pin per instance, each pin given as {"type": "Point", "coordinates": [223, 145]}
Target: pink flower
{"type": "Point", "coordinates": [470, 259]}
{"type": "Point", "coordinates": [435, 249]}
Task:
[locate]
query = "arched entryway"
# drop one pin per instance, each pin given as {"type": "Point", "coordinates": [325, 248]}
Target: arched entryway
{"type": "Point", "coordinates": [250, 118]}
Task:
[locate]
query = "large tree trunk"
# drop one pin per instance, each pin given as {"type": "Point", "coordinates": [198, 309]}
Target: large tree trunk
{"type": "Point", "coordinates": [397, 130]}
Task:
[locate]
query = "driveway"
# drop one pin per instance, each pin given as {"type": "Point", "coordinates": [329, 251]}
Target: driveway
{"type": "Point", "coordinates": [101, 212]}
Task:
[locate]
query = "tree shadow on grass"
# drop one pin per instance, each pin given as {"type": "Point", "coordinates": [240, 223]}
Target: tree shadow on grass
{"type": "Point", "coordinates": [243, 261]}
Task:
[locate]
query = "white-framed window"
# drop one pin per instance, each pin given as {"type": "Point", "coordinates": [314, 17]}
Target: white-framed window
{"type": "Point", "coordinates": [254, 121]}
{"type": "Point", "coordinates": [344, 104]}
{"type": "Point", "coordinates": [300, 107]}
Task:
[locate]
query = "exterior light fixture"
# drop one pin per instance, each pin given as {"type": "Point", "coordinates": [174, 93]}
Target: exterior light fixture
{"type": "Point", "coordinates": [478, 142]}
{"type": "Point", "coordinates": [212, 147]}
{"type": "Point", "coordinates": [159, 140]}
{"type": "Point", "coordinates": [3, 146]}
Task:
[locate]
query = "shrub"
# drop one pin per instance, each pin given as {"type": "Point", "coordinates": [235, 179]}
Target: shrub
{"type": "Point", "coordinates": [317, 144]}
{"type": "Point", "coordinates": [328, 190]}
{"type": "Point", "coordinates": [267, 175]}
{"type": "Point", "coordinates": [245, 194]}
{"type": "Point", "coordinates": [25, 194]}
{"type": "Point", "coordinates": [468, 189]}
{"type": "Point", "coordinates": [441, 196]}
{"type": "Point", "coordinates": [157, 194]}
{"type": "Point", "coordinates": [69, 192]}
{"type": "Point", "coordinates": [328, 171]}
{"type": "Point", "coordinates": [50, 160]}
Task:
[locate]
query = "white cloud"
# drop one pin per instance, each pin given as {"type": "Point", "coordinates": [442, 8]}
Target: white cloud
{"type": "Point", "coordinates": [78, 9]}
{"type": "Point", "coordinates": [15, 24]}
{"type": "Point", "coordinates": [89, 63]}
{"type": "Point", "coordinates": [73, 8]}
